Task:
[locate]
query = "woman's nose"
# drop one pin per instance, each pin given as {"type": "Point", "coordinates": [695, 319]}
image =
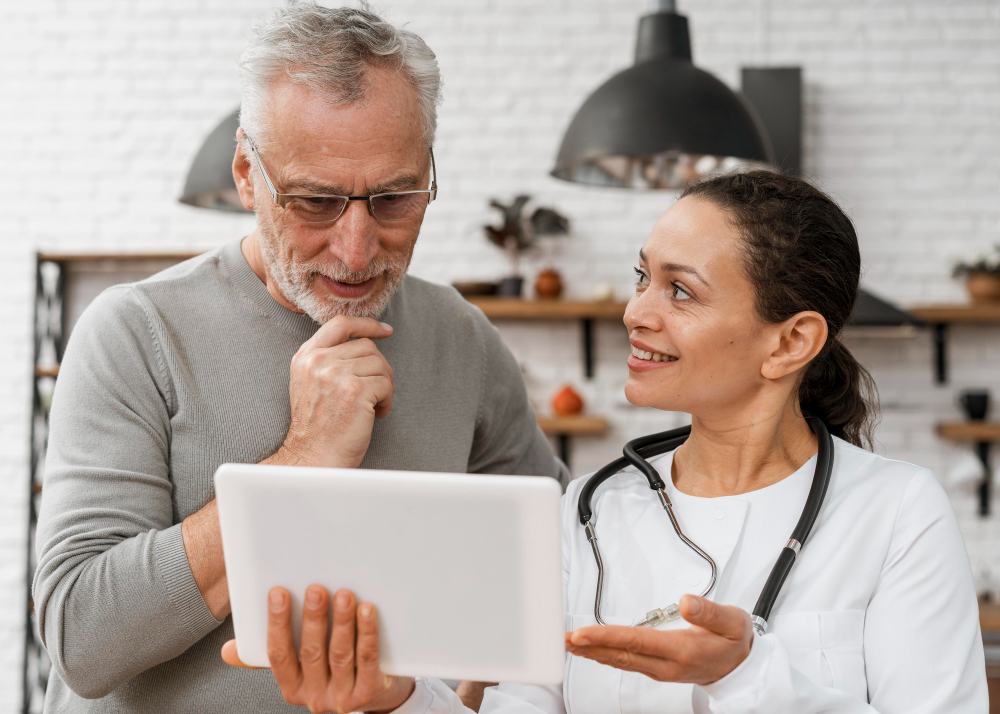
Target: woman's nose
{"type": "Point", "coordinates": [642, 312]}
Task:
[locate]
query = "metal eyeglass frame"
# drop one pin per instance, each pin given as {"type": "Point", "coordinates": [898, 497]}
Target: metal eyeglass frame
{"type": "Point", "coordinates": [280, 199]}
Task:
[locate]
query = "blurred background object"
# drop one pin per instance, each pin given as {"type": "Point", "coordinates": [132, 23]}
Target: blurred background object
{"type": "Point", "coordinates": [519, 232]}
{"type": "Point", "coordinates": [982, 276]}
{"type": "Point", "coordinates": [663, 122]}
{"type": "Point", "coordinates": [209, 182]}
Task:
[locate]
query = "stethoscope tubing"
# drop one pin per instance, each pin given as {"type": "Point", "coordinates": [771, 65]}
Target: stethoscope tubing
{"type": "Point", "coordinates": [636, 453]}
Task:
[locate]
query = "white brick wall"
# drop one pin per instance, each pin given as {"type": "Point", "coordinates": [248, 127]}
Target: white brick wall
{"type": "Point", "coordinates": [106, 101]}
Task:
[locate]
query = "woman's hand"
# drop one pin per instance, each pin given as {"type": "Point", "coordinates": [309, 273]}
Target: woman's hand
{"type": "Point", "coordinates": [719, 639]}
{"type": "Point", "coordinates": [344, 677]}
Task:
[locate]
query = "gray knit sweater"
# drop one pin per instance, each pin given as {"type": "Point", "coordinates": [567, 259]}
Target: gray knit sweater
{"type": "Point", "coordinates": [166, 379]}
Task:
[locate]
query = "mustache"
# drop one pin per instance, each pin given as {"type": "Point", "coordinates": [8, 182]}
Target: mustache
{"type": "Point", "coordinates": [341, 273]}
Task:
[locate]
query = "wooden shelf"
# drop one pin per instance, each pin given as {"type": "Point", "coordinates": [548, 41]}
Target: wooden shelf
{"type": "Point", "coordinates": [943, 314]}
{"type": "Point", "coordinates": [989, 616]}
{"type": "Point", "coordinates": [497, 308]}
{"type": "Point", "coordinates": [573, 425]}
{"type": "Point", "coordinates": [87, 257]}
{"type": "Point", "coordinates": [564, 428]}
{"type": "Point", "coordinates": [975, 431]}
{"type": "Point", "coordinates": [518, 309]}
{"type": "Point", "coordinates": [939, 317]}
{"type": "Point", "coordinates": [982, 434]}
{"type": "Point", "coordinates": [49, 371]}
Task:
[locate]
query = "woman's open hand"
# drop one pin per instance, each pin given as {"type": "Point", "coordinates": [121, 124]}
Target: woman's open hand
{"type": "Point", "coordinates": [718, 640]}
{"type": "Point", "coordinates": [344, 677]}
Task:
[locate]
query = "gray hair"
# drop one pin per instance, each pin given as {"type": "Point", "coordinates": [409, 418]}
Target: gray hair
{"type": "Point", "coordinates": [329, 51]}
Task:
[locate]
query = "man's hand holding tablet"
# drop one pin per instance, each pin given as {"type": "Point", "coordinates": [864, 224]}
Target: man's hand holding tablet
{"type": "Point", "coordinates": [466, 572]}
{"type": "Point", "coordinates": [344, 677]}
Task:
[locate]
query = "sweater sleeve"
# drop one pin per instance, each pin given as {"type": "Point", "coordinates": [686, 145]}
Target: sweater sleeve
{"type": "Point", "coordinates": [923, 649]}
{"type": "Point", "coordinates": [507, 439]}
{"type": "Point", "coordinates": [113, 590]}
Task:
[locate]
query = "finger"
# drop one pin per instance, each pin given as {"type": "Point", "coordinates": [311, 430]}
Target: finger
{"type": "Point", "coordinates": [657, 643]}
{"type": "Point", "coordinates": [368, 675]}
{"type": "Point", "coordinates": [655, 667]}
{"type": "Point", "coordinates": [312, 653]}
{"type": "Point", "coordinates": [231, 657]}
{"type": "Point", "coordinates": [362, 347]}
{"type": "Point", "coordinates": [342, 645]}
{"type": "Point", "coordinates": [280, 643]}
{"type": "Point", "coordinates": [363, 366]}
{"type": "Point", "coordinates": [342, 328]}
{"type": "Point", "coordinates": [726, 620]}
{"type": "Point", "coordinates": [382, 389]}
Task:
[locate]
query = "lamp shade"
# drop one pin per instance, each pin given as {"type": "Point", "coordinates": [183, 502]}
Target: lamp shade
{"type": "Point", "coordinates": [662, 122]}
{"type": "Point", "coordinates": [210, 182]}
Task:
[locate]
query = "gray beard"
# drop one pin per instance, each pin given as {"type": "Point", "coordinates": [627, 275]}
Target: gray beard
{"type": "Point", "coordinates": [296, 281]}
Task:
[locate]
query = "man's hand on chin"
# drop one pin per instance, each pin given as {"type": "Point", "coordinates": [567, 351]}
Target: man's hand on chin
{"type": "Point", "coordinates": [340, 383]}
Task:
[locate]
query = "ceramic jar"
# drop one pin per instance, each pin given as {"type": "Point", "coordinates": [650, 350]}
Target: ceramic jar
{"type": "Point", "coordinates": [983, 287]}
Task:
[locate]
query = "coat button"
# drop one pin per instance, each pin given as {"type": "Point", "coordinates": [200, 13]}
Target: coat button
{"type": "Point", "coordinates": [719, 514]}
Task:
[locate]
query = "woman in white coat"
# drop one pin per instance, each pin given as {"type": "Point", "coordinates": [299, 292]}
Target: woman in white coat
{"type": "Point", "coordinates": [742, 291]}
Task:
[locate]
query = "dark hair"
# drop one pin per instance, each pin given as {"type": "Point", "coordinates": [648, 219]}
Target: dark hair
{"type": "Point", "coordinates": [802, 254]}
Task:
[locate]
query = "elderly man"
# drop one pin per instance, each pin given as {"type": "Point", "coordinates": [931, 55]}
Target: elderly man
{"type": "Point", "coordinates": [305, 343]}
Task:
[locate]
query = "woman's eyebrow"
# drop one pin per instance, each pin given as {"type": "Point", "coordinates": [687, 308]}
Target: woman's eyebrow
{"type": "Point", "coordinates": [679, 268]}
{"type": "Point", "coordinates": [675, 268]}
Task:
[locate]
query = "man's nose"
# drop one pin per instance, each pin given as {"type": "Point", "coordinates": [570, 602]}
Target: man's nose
{"type": "Point", "coordinates": [354, 239]}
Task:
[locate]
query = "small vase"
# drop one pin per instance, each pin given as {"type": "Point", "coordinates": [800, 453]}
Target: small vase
{"type": "Point", "coordinates": [983, 287]}
{"type": "Point", "coordinates": [510, 287]}
{"type": "Point", "coordinates": [548, 284]}
{"type": "Point", "coordinates": [567, 402]}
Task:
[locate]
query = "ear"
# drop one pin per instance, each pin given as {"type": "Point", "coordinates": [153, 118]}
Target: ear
{"type": "Point", "coordinates": [241, 171]}
{"type": "Point", "coordinates": [800, 338]}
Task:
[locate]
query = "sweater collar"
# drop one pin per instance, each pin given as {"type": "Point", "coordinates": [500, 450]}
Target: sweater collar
{"type": "Point", "coordinates": [244, 279]}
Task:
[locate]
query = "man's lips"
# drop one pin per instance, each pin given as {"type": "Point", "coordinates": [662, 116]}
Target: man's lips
{"type": "Point", "coordinates": [349, 290]}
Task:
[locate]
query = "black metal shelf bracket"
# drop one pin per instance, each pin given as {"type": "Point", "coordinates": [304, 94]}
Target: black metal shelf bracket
{"type": "Point", "coordinates": [986, 486]}
{"type": "Point", "coordinates": [587, 327]}
{"type": "Point", "coordinates": [940, 353]}
{"type": "Point", "coordinates": [564, 449]}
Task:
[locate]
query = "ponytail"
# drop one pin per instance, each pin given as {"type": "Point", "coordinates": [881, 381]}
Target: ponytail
{"type": "Point", "coordinates": [802, 255]}
{"type": "Point", "coordinates": [840, 392]}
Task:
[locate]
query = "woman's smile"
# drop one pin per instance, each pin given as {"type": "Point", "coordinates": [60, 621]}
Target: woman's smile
{"type": "Point", "coordinates": [645, 357]}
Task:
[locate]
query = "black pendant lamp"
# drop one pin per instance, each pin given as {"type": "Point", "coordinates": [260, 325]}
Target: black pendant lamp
{"type": "Point", "coordinates": [663, 122]}
{"type": "Point", "coordinates": [210, 181]}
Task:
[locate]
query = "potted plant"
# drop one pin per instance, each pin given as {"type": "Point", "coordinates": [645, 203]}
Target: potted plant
{"type": "Point", "coordinates": [518, 233]}
{"type": "Point", "coordinates": [982, 276]}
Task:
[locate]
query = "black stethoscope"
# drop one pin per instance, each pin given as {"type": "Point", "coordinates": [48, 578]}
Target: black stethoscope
{"type": "Point", "coordinates": [638, 450]}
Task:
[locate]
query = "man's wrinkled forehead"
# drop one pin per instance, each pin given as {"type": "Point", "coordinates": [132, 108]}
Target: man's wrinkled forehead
{"type": "Point", "coordinates": [389, 112]}
{"type": "Point", "coordinates": [371, 145]}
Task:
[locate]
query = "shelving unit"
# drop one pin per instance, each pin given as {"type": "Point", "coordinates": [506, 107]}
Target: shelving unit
{"type": "Point", "coordinates": [586, 312]}
{"type": "Point", "coordinates": [564, 428]}
{"type": "Point", "coordinates": [970, 430]}
{"type": "Point", "coordinates": [939, 317]}
{"type": "Point", "coordinates": [982, 434]}
{"type": "Point", "coordinates": [62, 279]}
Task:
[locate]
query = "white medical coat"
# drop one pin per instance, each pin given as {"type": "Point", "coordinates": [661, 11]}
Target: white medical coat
{"type": "Point", "coordinates": [878, 613]}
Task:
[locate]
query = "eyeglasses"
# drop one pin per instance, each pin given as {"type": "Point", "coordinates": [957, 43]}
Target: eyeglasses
{"type": "Point", "coordinates": [326, 208]}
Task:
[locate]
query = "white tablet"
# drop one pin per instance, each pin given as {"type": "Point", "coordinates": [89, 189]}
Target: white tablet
{"type": "Point", "coordinates": [465, 570]}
